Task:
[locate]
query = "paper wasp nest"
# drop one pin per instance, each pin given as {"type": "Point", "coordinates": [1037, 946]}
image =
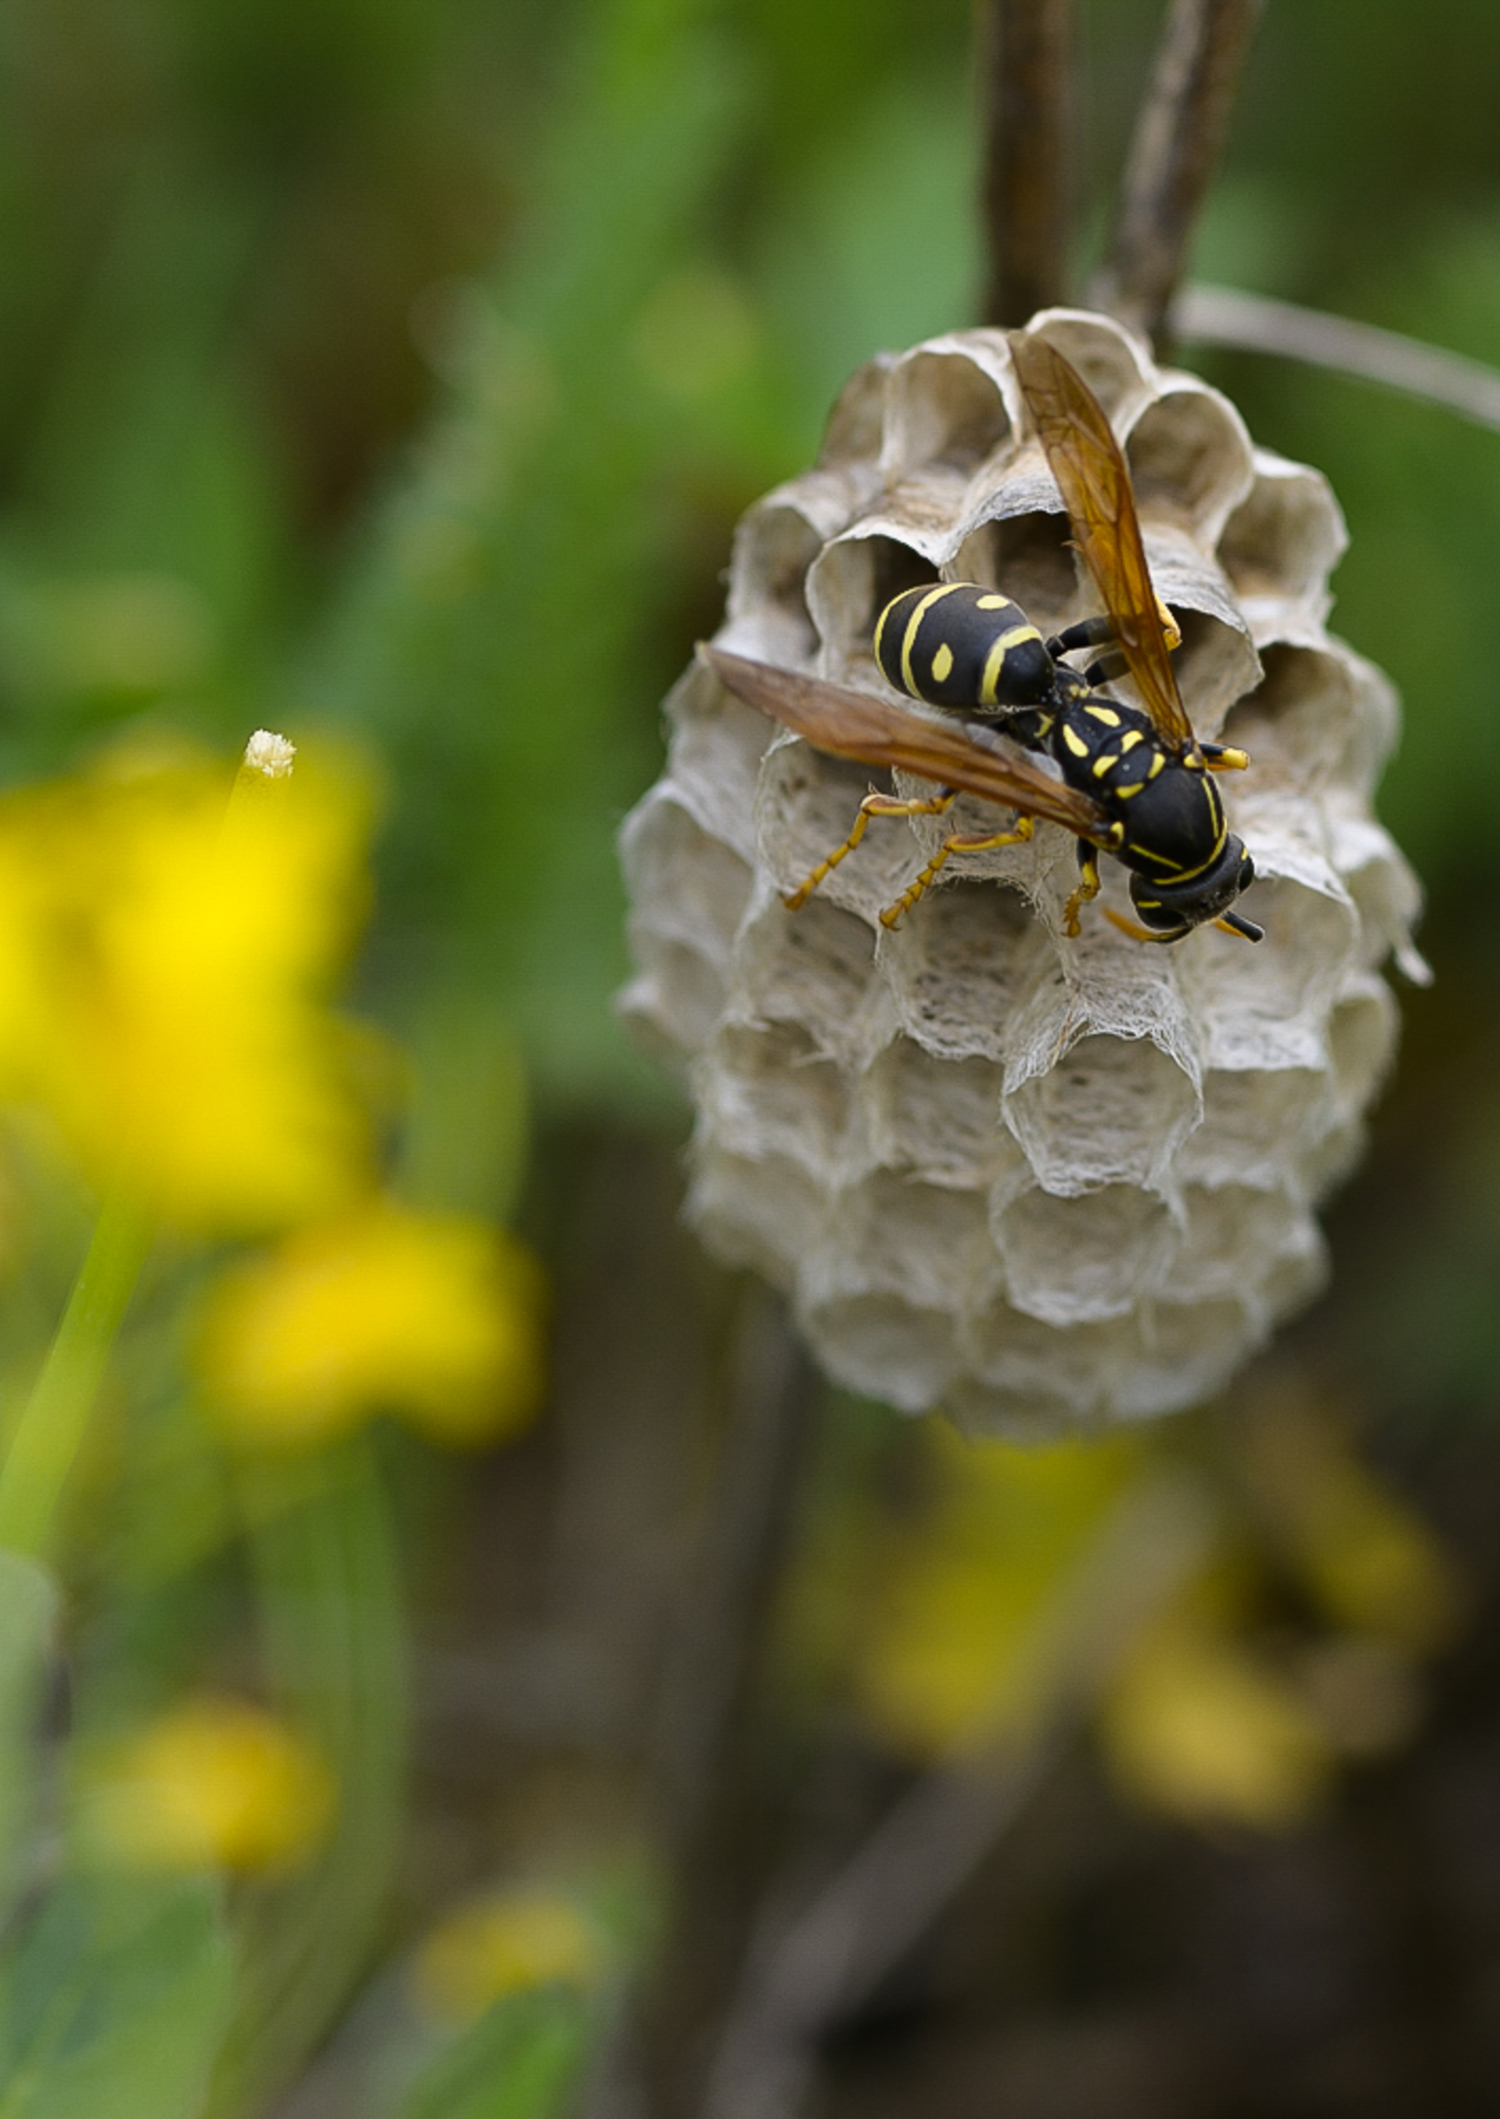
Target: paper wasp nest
{"type": "Point", "coordinates": [1037, 1181]}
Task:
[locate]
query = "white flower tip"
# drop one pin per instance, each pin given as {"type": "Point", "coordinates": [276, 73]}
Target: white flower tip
{"type": "Point", "coordinates": [270, 755]}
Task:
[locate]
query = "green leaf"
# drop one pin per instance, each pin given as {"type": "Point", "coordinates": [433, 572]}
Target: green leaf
{"type": "Point", "coordinates": [113, 2000]}
{"type": "Point", "coordinates": [517, 2062]}
{"type": "Point", "coordinates": [28, 1612]}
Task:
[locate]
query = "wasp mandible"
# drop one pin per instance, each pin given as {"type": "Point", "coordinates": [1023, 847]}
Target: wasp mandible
{"type": "Point", "coordinates": [1136, 784]}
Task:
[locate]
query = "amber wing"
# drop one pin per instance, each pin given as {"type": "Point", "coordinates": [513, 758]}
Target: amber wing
{"type": "Point", "coordinates": [1090, 469]}
{"type": "Point", "coordinates": [855, 725]}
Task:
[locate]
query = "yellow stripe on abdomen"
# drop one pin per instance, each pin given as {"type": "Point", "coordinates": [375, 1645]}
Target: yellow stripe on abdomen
{"type": "Point", "coordinates": [990, 680]}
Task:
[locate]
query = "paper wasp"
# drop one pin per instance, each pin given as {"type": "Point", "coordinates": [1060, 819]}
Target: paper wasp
{"type": "Point", "coordinates": [1134, 784]}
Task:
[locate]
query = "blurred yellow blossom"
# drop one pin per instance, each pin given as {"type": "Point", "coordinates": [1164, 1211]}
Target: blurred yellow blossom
{"type": "Point", "coordinates": [954, 1623]}
{"type": "Point", "coordinates": [1369, 1559]}
{"type": "Point", "coordinates": [163, 967]}
{"type": "Point", "coordinates": [435, 1317]}
{"type": "Point", "coordinates": [503, 1945]}
{"type": "Point", "coordinates": [215, 1781]}
{"type": "Point", "coordinates": [1197, 1726]}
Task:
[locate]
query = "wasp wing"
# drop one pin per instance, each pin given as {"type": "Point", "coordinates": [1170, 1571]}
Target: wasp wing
{"type": "Point", "coordinates": [1090, 469]}
{"type": "Point", "coordinates": [855, 725]}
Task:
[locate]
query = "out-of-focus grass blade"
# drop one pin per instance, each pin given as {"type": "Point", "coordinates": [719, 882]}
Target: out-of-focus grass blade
{"type": "Point", "coordinates": [113, 2001]}
{"type": "Point", "coordinates": [334, 1641]}
{"type": "Point", "coordinates": [28, 1612]}
{"type": "Point", "coordinates": [517, 2062]}
{"type": "Point", "coordinates": [491, 633]}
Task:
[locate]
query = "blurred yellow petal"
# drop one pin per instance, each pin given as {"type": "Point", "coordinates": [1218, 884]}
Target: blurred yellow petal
{"type": "Point", "coordinates": [162, 982]}
{"type": "Point", "coordinates": [1197, 1728]}
{"type": "Point", "coordinates": [437, 1318]}
{"type": "Point", "coordinates": [1371, 1561]}
{"type": "Point", "coordinates": [958, 1611]}
{"type": "Point", "coordinates": [507, 1944]}
{"type": "Point", "coordinates": [214, 1782]}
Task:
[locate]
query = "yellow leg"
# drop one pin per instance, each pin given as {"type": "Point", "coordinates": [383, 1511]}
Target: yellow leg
{"type": "Point", "coordinates": [959, 843]}
{"type": "Point", "coordinates": [872, 806]}
{"type": "Point", "coordinates": [1221, 758]}
{"type": "Point", "coordinates": [1134, 929]}
{"type": "Point", "coordinates": [1088, 887]}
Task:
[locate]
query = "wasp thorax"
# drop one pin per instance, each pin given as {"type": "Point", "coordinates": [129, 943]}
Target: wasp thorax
{"type": "Point", "coordinates": [1034, 1179]}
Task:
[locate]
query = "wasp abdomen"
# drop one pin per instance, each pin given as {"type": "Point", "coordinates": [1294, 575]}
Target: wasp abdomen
{"type": "Point", "coordinates": [958, 644]}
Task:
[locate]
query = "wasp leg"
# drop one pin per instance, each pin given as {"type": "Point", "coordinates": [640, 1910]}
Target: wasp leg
{"type": "Point", "coordinates": [1089, 632]}
{"type": "Point", "coordinates": [1099, 632]}
{"type": "Point", "coordinates": [960, 842]}
{"type": "Point", "coordinates": [1219, 758]}
{"type": "Point", "coordinates": [872, 806]}
{"type": "Point", "coordinates": [1088, 886]}
{"type": "Point", "coordinates": [1136, 932]}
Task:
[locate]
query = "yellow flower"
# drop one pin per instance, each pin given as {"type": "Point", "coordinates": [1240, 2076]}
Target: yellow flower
{"type": "Point", "coordinates": [503, 1945]}
{"type": "Point", "coordinates": [437, 1318]}
{"type": "Point", "coordinates": [955, 1621]}
{"type": "Point", "coordinates": [1195, 1726]}
{"type": "Point", "coordinates": [162, 972]}
{"type": "Point", "coordinates": [215, 1781]}
{"type": "Point", "coordinates": [1370, 1560]}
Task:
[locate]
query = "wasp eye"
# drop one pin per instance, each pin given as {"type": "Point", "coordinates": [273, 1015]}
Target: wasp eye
{"type": "Point", "coordinates": [1247, 873]}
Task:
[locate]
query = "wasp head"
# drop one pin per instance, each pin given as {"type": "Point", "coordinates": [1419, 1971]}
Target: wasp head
{"type": "Point", "coordinates": [1170, 914]}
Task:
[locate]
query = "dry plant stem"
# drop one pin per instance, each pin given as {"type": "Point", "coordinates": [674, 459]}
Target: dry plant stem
{"type": "Point", "coordinates": [703, 1791]}
{"type": "Point", "coordinates": [1253, 323]}
{"type": "Point", "coordinates": [1025, 51]}
{"type": "Point", "coordinates": [831, 1958]}
{"type": "Point", "coordinates": [52, 1425]}
{"type": "Point", "coordinates": [1174, 153]}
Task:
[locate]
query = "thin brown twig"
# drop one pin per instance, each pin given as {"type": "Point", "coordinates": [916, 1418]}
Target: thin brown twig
{"type": "Point", "coordinates": [701, 1770]}
{"type": "Point", "coordinates": [1178, 138]}
{"type": "Point", "coordinates": [1025, 53]}
{"type": "Point", "coordinates": [810, 1973]}
{"type": "Point", "coordinates": [1254, 323]}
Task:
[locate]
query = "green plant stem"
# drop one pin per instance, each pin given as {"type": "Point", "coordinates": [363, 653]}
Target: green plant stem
{"type": "Point", "coordinates": [55, 1419]}
{"type": "Point", "coordinates": [333, 1637]}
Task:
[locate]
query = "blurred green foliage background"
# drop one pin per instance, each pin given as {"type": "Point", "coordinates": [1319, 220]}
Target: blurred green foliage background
{"type": "Point", "coordinates": [399, 371]}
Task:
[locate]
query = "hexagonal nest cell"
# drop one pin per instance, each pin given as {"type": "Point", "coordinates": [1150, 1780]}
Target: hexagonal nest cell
{"type": "Point", "coordinates": [1039, 1181]}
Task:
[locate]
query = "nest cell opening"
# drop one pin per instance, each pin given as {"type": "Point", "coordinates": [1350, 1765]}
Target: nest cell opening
{"type": "Point", "coordinates": [1112, 365]}
{"type": "Point", "coordinates": [1028, 558]}
{"type": "Point", "coordinates": [857, 421]}
{"type": "Point", "coordinates": [1193, 1350]}
{"type": "Point", "coordinates": [1010, 1351]}
{"type": "Point", "coordinates": [1082, 1259]}
{"type": "Point", "coordinates": [1252, 1119]}
{"type": "Point", "coordinates": [942, 411]}
{"type": "Point", "coordinates": [773, 1093]}
{"type": "Point", "coordinates": [958, 965]}
{"type": "Point", "coordinates": [1287, 534]}
{"type": "Point", "coordinates": [940, 1118]}
{"type": "Point", "coordinates": [852, 581]}
{"type": "Point", "coordinates": [1112, 1111]}
{"type": "Point", "coordinates": [686, 885]}
{"type": "Point", "coordinates": [806, 807]}
{"type": "Point", "coordinates": [761, 1211]}
{"type": "Point", "coordinates": [1297, 722]}
{"type": "Point", "coordinates": [775, 546]}
{"type": "Point", "coordinates": [1233, 1234]}
{"type": "Point", "coordinates": [816, 967]}
{"type": "Point", "coordinates": [893, 1235]}
{"type": "Point", "coordinates": [674, 1002]}
{"type": "Point", "coordinates": [1362, 1042]}
{"type": "Point", "coordinates": [892, 1350]}
{"type": "Point", "coordinates": [1190, 460]}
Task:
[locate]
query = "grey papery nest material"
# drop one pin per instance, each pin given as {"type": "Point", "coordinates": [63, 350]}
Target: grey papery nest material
{"type": "Point", "coordinates": [1034, 1180]}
